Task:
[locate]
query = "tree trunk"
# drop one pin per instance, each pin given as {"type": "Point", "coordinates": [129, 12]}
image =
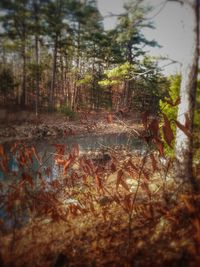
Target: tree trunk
{"type": "Point", "coordinates": [37, 75]}
{"type": "Point", "coordinates": [23, 36]}
{"type": "Point", "coordinates": [184, 143]}
{"type": "Point", "coordinates": [62, 92]}
{"type": "Point", "coordinates": [52, 90]}
{"type": "Point", "coordinates": [74, 106]}
{"type": "Point", "coordinates": [23, 95]}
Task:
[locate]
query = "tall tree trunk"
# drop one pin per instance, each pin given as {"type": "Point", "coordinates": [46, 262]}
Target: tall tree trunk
{"type": "Point", "coordinates": [62, 92]}
{"type": "Point", "coordinates": [23, 99]}
{"type": "Point", "coordinates": [184, 143]}
{"type": "Point", "coordinates": [52, 90]}
{"type": "Point", "coordinates": [23, 95]}
{"type": "Point", "coordinates": [37, 75]}
{"type": "Point", "coordinates": [93, 82]}
{"type": "Point", "coordinates": [37, 82]}
{"type": "Point", "coordinates": [74, 106]}
{"type": "Point", "coordinates": [129, 89]}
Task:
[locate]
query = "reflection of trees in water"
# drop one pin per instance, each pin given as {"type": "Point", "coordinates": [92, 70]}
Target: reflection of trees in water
{"type": "Point", "coordinates": [46, 151]}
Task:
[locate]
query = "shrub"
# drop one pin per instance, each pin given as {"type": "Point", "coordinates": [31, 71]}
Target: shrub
{"type": "Point", "coordinates": [169, 110]}
{"type": "Point", "coordinates": [6, 81]}
{"type": "Point", "coordinates": [68, 112]}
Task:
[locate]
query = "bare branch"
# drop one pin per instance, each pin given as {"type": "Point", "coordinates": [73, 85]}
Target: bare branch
{"type": "Point", "coordinates": [110, 14]}
{"type": "Point", "coordinates": [178, 1]}
{"type": "Point", "coordinates": [159, 11]}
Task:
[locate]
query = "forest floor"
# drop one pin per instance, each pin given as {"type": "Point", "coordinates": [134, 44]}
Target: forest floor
{"type": "Point", "coordinates": [24, 125]}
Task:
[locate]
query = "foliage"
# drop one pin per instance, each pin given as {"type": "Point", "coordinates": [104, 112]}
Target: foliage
{"type": "Point", "coordinates": [35, 69]}
{"type": "Point", "coordinates": [86, 80]}
{"type": "Point", "coordinates": [129, 28]}
{"type": "Point", "coordinates": [68, 112]}
{"type": "Point", "coordinates": [144, 80]}
{"type": "Point", "coordinates": [117, 74]}
{"type": "Point", "coordinates": [6, 80]}
{"type": "Point", "coordinates": [65, 35]}
{"type": "Point", "coordinates": [169, 107]}
{"type": "Point", "coordinates": [173, 93]}
{"type": "Point", "coordinates": [170, 110]}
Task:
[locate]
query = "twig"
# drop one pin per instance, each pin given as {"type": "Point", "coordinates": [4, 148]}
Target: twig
{"type": "Point", "coordinates": [135, 196]}
{"type": "Point", "coordinates": [127, 127]}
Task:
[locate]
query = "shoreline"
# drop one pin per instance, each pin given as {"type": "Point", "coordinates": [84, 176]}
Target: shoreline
{"type": "Point", "coordinates": [58, 127]}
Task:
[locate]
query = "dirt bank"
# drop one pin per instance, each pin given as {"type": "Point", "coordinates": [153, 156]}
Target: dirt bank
{"type": "Point", "coordinates": [52, 125]}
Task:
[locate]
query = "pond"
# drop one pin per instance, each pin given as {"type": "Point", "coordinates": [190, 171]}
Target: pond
{"type": "Point", "coordinates": [46, 150]}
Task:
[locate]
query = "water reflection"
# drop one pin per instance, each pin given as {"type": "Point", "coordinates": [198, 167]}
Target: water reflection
{"type": "Point", "coordinates": [47, 167]}
{"type": "Point", "coordinates": [46, 150]}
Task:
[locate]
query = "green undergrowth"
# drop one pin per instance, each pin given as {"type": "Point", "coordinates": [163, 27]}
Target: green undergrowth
{"type": "Point", "coordinates": [68, 112]}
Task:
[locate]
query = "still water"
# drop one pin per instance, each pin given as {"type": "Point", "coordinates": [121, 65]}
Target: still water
{"type": "Point", "coordinates": [46, 150]}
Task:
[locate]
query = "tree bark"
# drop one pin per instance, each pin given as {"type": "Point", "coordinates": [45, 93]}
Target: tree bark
{"type": "Point", "coordinates": [37, 75]}
{"type": "Point", "coordinates": [37, 82]}
{"type": "Point", "coordinates": [184, 143]}
{"type": "Point", "coordinates": [52, 90]}
{"type": "Point", "coordinates": [23, 95]}
{"type": "Point", "coordinates": [74, 105]}
{"type": "Point", "coordinates": [23, 99]}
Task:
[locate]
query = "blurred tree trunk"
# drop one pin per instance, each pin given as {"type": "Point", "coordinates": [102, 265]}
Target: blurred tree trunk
{"type": "Point", "coordinates": [23, 94]}
{"type": "Point", "coordinates": [184, 137]}
{"type": "Point", "coordinates": [52, 89]}
{"type": "Point", "coordinates": [37, 83]}
{"type": "Point", "coordinates": [37, 29]}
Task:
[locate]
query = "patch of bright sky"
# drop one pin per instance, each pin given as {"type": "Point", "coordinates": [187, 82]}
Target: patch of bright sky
{"type": "Point", "coordinates": [169, 20]}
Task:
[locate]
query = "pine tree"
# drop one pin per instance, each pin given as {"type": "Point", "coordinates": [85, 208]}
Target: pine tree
{"type": "Point", "coordinates": [131, 39]}
{"type": "Point", "coordinates": [56, 24]}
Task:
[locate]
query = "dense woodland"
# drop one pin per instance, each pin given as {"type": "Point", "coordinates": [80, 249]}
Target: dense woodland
{"type": "Point", "coordinates": [56, 54]}
{"type": "Point", "coordinates": [67, 199]}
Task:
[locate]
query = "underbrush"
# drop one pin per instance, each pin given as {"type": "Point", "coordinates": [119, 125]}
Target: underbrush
{"type": "Point", "coordinates": [68, 112]}
{"type": "Point", "coordinates": [117, 209]}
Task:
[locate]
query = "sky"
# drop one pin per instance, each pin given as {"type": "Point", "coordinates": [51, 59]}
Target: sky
{"type": "Point", "coordinates": [170, 30]}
